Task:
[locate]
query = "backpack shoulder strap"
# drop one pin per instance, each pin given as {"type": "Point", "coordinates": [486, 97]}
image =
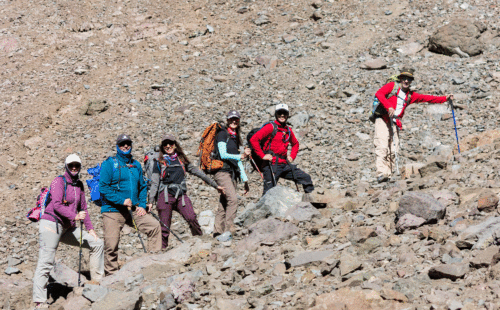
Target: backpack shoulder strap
{"type": "Point", "coordinates": [272, 135]}
{"type": "Point", "coordinates": [116, 166]}
{"type": "Point", "coordinates": [395, 89]}
{"type": "Point", "coordinates": [182, 165]}
{"type": "Point", "coordinates": [408, 98]}
{"type": "Point", "coordinates": [65, 188]}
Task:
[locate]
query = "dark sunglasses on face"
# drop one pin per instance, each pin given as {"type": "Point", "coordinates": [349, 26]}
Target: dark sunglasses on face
{"type": "Point", "coordinates": [168, 142]}
{"type": "Point", "coordinates": [282, 113]}
{"type": "Point", "coordinates": [73, 166]}
{"type": "Point", "coordinates": [234, 120]}
{"type": "Point", "coordinates": [407, 78]}
{"type": "Point", "coordinates": [124, 143]}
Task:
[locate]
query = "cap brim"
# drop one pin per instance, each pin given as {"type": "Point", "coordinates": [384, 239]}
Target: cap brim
{"type": "Point", "coordinates": [406, 74]}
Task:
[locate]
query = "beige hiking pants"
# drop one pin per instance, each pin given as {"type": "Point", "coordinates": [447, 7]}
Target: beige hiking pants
{"type": "Point", "coordinates": [113, 223]}
{"type": "Point", "coordinates": [228, 203]}
{"type": "Point", "coordinates": [49, 240]}
{"type": "Point", "coordinates": [384, 149]}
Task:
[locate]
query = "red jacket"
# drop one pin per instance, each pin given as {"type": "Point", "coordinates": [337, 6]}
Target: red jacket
{"type": "Point", "coordinates": [278, 146]}
{"type": "Point", "coordinates": [392, 102]}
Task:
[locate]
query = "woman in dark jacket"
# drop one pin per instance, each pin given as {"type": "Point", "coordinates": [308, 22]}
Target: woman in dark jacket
{"type": "Point", "coordinates": [168, 186]}
{"type": "Point", "coordinates": [66, 208]}
{"type": "Point", "coordinates": [228, 143]}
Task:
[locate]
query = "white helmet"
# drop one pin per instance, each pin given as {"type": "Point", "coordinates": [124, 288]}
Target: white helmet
{"type": "Point", "coordinates": [281, 106]}
{"type": "Point", "coordinates": [73, 158]}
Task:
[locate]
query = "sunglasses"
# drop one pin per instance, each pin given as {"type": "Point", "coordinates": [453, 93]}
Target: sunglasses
{"type": "Point", "coordinates": [124, 143]}
{"type": "Point", "coordinates": [73, 166]}
{"type": "Point", "coordinates": [282, 113]}
{"type": "Point", "coordinates": [407, 78]}
{"type": "Point", "coordinates": [234, 120]}
{"type": "Point", "coordinates": [168, 142]}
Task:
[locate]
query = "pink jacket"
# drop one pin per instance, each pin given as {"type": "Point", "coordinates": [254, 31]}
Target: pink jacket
{"type": "Point", "coordinates": [75, 202]}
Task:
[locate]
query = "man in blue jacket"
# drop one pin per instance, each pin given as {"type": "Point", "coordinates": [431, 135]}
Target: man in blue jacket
{"type": "Point", "coordinates": [122, 186]}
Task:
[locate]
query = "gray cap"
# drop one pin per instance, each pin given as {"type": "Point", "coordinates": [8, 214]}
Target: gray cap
{"type": "Point", "coordinates": [233, 114]}
{"type": "Point", "coordinates": [169, 136]}
{"type": "Point", "coordinates": [122, 138]}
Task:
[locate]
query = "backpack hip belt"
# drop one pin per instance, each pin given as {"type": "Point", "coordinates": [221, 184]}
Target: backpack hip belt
{"type": "Point", "coordinates": [180, 191]}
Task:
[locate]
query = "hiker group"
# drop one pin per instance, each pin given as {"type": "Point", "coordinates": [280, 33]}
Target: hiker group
{"type": "Point", "coordinates": [127, 192]}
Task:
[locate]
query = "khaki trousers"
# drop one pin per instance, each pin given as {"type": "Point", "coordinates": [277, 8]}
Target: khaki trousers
{"type": "Point", "coordinates": [228, 203]}
{"type": "Point", "coordinates": [50, 236]}
{"type": "Point", "coordinates": [113, 223]}
{"type": "Point", "coordinates": [385, 149]}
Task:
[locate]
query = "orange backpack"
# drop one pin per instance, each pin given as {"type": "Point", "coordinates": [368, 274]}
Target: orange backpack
{"type": "Point", "coordinates": [208, 152]}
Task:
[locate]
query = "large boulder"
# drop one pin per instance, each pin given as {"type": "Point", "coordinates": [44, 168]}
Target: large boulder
{"type": "Point", "coordinates": [276, 202]}
{"type": "Point", "coordinates": [451, 271]}
{"type": "Point", "coordinates": [303, 212]}
{"type": "Point", "coordinates": [487, 201]}
{"type": "Point", "coordinates": [459, 37]}
{"type": "Point", "coordinates": [421, 205]}
{"type": "Point", "coordinates": [480, 236]}
{"type": "Point", "coordinates": [64, 275]}
{"type": "Point", "coordinates": [267, 231]}
{"type": "Point", "coordinates": [118, 300]}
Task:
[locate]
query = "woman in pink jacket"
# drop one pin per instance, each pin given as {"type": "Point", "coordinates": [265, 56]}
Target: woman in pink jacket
{"type": "Point", "coordinates": [67, 206]}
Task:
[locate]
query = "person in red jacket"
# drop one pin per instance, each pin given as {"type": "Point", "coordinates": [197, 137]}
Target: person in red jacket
{"type": "Point", "coordinates": [394, 98]}
{"type": "Point", "coordinates": [274, 150]}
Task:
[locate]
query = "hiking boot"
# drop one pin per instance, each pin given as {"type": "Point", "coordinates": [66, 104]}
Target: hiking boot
{"type": "Point", "coordinates": [93, 282]}
{"type": "Point", "coordinates": [41, 305]}
{"type": "Point", "coordinates": [382, 178]}
{"type": "Point", "coordinates": [307, 197]}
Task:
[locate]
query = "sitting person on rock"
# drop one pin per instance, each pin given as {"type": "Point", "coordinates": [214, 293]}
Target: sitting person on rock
{"type": "Point", "coordinates": [168, 186]}
{"type": "Point", "coordinates": [274, 150]}
{"type": "Point", "coordinates": [228, 143]}
{"type": "Point", "coordinates": [394, 97]}
{"type": "Point", "coordinates": [66, 208]}
{"type": "Point", "coordinates": [122, 187]}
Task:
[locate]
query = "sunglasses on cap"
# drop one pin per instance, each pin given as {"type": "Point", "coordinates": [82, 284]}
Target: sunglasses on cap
{"type": "Point", "coordinates": [74, 165]}
{"type": "Point", "coordinates": [167, 142]}
{"type": "Point", "coordinates": [129, 143]}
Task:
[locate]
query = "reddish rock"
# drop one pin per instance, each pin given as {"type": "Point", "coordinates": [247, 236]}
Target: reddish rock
{"type": "Point", "coordinates": [487, 201]}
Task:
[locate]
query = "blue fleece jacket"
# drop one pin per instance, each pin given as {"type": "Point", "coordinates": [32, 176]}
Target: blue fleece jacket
{"type": "Point", "coordinates": [130, 185]}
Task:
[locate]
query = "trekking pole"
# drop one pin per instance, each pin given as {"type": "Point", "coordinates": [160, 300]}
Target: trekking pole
{"type": "Point", "coordinates": [80, 259]}
{"type": "Point", "coordinates": [454, 123]}
{"type": "Point", "coordinates": [164, 225]}
{"type": "Point", "coordinates": [293, 174]}
{"type": "Point", "coordinates": [255, 165]}
{"type": "Point", "coordinates": [135, 226]}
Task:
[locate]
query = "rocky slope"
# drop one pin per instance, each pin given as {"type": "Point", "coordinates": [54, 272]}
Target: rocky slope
{"type": "Point", "coordinates": [78, 74]}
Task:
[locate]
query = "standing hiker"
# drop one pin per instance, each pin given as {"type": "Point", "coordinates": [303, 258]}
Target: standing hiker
{"type": "Point", "coordinates": [122, 187]}
{"type": "Point", "coordinates": [228, 142]}
{"type": "Point", "coordinates": [169, 189]}
{"type": "Point", "coordinates": [66, 208]}
{"type": "Point", "coordinates": [270, 143]}
{"type": "Point", "coordinates": [394, 97]}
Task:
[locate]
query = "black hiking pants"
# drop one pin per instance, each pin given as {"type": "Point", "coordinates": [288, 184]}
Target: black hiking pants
{"type": "Point", "coordinates": [285, 171]}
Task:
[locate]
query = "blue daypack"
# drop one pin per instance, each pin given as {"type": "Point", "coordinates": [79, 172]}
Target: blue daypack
{"type": "Point", "coordinates": [93, 184]}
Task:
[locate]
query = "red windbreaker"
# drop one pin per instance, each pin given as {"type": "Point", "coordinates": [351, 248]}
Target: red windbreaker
{"type": "Point", "coordinates": [392, 102]}
{"type": "Point", "coordinates": [279, 144]}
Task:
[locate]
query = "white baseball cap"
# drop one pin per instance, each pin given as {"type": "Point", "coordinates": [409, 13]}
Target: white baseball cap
{"type": "Point", "coordinates": [73, 158]}
{"type": "Point", "coordinates": [281, 106]}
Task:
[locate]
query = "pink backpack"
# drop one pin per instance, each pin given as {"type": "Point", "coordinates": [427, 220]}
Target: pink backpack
{"type": "Point", "coordinates": [42, 201]}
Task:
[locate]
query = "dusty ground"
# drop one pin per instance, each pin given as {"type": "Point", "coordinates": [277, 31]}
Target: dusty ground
{"type": "Point", "coordinates": [77, 74]}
